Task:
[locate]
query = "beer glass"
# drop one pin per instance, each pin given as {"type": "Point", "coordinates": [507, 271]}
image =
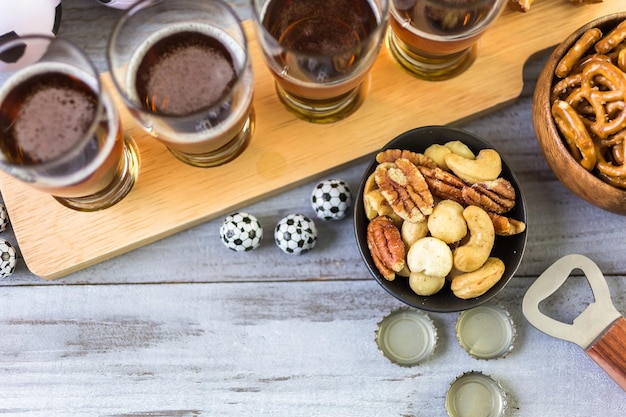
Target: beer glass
{"type": "Point", "coordinates": [183, 71]}
{"type": "Point", "coordinates": [59, 130]}
{"type": "Point", "coordinates": [320, 52]}
{"type": "Point", "coordinates": [438, 39]}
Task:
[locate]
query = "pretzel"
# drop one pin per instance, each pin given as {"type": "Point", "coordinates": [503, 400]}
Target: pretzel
{"type": "Point", "coordinates": [612, 39]}
{"type": "Point", "coordinates": [588, 103]}
{"type": "Point", "coordinates": [621, 59]}
{"type": "Point", "coordinates": [580, 144]}
{"type": "Point", "coordinates": [573, 55]}
{"type": "Point", "coordinates": [608, 168]}
{"type": "Point", "coordinates": [600, 73]}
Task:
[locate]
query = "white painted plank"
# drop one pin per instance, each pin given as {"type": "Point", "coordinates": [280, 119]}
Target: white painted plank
{"type": "Point", "coordinates": [250, 349]}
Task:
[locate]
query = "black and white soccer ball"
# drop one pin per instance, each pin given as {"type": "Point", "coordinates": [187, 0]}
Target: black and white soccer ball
{"type": "Point", "coordinates": [117, 4]}
{"type": "Point", "coordinates": [241, 232]}
{"type": "Point", "coordinates": [26, 17]}
{"type": "Point", "coordinates": [331, 199]}
{"type": "Point", "coordinates": [4, 218]}
{"type": "Point", "coordinates": [295, 234]}
{"type": "Point", "coordinates": [8, 258]}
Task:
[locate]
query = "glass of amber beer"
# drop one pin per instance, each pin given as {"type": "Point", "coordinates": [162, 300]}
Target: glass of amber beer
{"type": "Point", "coordinates": [183, 71]}
{"type": "Point", "coordinates": [320, 52]}
{"type": "Point", "coordinates": [59, 130]}
{"type": "Point", "coordinates": [438, 39]}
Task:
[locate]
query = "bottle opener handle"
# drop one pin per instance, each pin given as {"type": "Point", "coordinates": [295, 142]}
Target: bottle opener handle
{"type": "Point", "coordinates": [600, 329]}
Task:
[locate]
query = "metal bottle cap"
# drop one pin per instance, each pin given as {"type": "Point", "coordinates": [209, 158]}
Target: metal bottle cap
{"type": "Point", "coordinates": [406, 336]}
{"type": "Point", "coordinates": [474, 394]}
{"type": "Point", "coordinates": [486, 331]}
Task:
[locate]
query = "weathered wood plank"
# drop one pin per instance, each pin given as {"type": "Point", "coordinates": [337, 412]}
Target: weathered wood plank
{"type": "Point", "coordinates": [287, 349]}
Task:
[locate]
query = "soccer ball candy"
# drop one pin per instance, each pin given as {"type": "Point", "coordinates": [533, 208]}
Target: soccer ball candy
{"type": "Point", "coordinates": [8, 258]}
{"type": "Point", "coordinates": [331, 199]}
{"type": "Point", "coordinates": [26, 17]}
{"type": "Point", "coordinates": [241, 232]}
{"type": "Point", "coordinates": [118, 4]}
{"type": "Point", "coordinates": [4, 218]}
{"type": "Point", "coordinates": [295, 234]}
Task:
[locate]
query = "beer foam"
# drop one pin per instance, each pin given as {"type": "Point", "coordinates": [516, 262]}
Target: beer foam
{"type": "Point", "coordinates": [63, 116]}
{"type": "Point", "coordinates": [205, 69]}
{"type": "Point", "coordinates": [242, 91]}
{"type": "Point", "coordinates": [104, 140]}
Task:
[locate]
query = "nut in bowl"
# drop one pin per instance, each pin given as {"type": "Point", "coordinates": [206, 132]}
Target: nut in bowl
{"type": "Point", "coordinates": [440, 219]}
{"type": "Point", "coordinates": [579, 112]}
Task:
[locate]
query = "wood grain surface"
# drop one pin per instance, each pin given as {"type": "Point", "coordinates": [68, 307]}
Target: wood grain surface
{"type": "Point", "coordinates": [170, 197]}
{"type": "Point", "coordinates": [183, 327]}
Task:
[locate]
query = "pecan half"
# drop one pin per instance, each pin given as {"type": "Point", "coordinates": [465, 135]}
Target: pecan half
{"type": "Point", "coordinates": [444, 184]}
{"type": "Point", "coordinates": [405, 189]}
{"type": "Point", "coordinates": [497, 196]}
{"type": "Point", "coordinates": [506, 226]}
{"type": "Point", "coordinates": [392, 155]}
{"type": "Point", "coordinates": [386, 246]}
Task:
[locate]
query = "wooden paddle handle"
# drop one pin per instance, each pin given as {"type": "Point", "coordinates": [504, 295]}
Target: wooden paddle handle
{"type": "Point", "coordinates": [609, 351]}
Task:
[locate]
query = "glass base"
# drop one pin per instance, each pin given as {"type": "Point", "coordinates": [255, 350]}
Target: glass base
{"type": "Point", "coordinates": [226, 153]}
{"type": "Point", "coordinates": [117, 190]}
{"type": "Point", "coordinates": [430, 68]}
{"type": "Point", "coordinates": [324, 111]}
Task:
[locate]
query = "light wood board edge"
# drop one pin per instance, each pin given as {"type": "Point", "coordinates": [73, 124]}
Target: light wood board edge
{"type": "Point", "coordinates": [170, 197]}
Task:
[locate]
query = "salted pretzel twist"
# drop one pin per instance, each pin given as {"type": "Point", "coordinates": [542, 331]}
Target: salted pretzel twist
{"type": "Point", "coordinates": [588, 102]}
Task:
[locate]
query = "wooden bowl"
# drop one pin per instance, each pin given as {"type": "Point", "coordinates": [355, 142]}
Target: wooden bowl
{"type": "Point", "coordinates": [510, 248]}
{"type": "Point", "coordinates": [580, 181]}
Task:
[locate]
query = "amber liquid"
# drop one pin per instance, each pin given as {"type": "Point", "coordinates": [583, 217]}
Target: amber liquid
{"type": "Point", "coordinates": [188, 79]}
{"type": "Point", "coordinates": [323, 55]}
{"type": "Point", "coordinates": [47, 132]}
{"type": "Point", "coordinates": [440, 27]}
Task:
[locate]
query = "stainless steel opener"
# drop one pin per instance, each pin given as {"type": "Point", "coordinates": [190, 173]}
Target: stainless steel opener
{"type": "Point", "coordinates": [600, 329]}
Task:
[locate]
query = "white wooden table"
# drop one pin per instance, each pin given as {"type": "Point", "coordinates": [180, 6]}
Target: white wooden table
{"type": "Point", "coordinates": [185, 327]}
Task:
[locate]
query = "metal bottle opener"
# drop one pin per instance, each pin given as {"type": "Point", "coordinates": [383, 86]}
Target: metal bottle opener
{"type": "Point", "coordinates": [600, 329]}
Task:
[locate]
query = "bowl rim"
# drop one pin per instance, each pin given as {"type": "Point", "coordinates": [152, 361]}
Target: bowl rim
{"type": "Point", "coordinates": [541, 105]}
{"type": "Point", "coordinates": [397, 287]}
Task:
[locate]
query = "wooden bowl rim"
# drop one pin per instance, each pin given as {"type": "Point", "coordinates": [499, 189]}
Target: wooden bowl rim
{"type": "Point", "coordinates": [580, 181]}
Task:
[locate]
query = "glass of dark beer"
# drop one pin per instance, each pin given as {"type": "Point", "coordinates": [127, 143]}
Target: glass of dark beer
{"type": "Point", "coordinates": [182, 68]}
{"type": "Point", "coordinates": [320, 52]}
{"type": "Point", "coordinates": [59, 129]}
{"type": "Point", "coordinates": [438, 39]}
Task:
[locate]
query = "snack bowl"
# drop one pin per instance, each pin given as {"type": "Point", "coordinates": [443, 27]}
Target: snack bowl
{"type": "Point", "coordinates": [586, 184]}
{"type": "Point", "coordinates": [509, 249]}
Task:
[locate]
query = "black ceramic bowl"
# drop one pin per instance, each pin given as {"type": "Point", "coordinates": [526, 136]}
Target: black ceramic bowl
{"type": "Point", "coordinates": [510, 248]}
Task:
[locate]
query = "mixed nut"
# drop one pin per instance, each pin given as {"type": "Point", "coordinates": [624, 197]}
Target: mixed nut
{"type": "Point", "coordinates": [435, 216]}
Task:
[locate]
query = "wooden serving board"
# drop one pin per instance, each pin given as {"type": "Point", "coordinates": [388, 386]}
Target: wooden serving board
{"type": "Point", "coordinates": [284, 151]}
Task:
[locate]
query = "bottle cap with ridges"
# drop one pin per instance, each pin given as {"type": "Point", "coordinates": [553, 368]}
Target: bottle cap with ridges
{"type": "Point", "coordinates": [475, 394]}
{"type": "Point", "coordinates": [486, 331]}
{"type": "Point", "coordinates": [406, 336]}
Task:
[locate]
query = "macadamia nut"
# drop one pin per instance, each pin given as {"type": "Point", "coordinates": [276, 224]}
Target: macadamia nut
{"type": "Point", "coordinates": [423, 284]}
{"type": "Point", "coordinates": [431, 256]}
{"type": "Point", "coordinates": [446, 221]}
{"type": "Point", "coordinates": [412, 232]}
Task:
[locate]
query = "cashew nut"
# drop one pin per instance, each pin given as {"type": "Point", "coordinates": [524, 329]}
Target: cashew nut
{"type": "Point", "coordinates": [423, 284]}
{"type": "Point", "coordinates": [430, 256]}
{"type": "Point", "coordinates": [473, 254]}
{"type": "Point", "coordinates": [438, 154]}
{"type": "Point", "coordinates": [446, 222]}
{"type": "Point", "coordinates": [478, 282]}
{"type": "Point", "coordinates": [486, 167]}
{"type": "Point", "coordinates": [461, 149]}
